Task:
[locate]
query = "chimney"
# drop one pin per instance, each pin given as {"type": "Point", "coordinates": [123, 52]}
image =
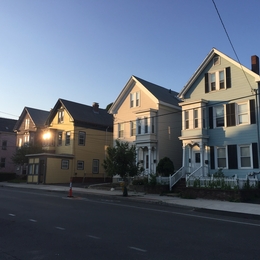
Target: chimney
{"type": "Point", "coordinates": [95, 106]}
{"type": "Point", "coordinates": [255, 64]}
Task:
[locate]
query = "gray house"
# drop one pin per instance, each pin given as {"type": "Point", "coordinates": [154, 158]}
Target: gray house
{"type": "Point", "coordinates": [220, 122]}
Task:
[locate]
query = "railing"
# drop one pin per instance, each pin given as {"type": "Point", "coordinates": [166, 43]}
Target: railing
{"type": "Point", "coordinates": [162, 180]}
{"type": "Point", "coordinates": [173, 179]}
{"type": "Point", "coordinates": [193, 174]}
{"type": "Point", "coordinates": [231, 182]}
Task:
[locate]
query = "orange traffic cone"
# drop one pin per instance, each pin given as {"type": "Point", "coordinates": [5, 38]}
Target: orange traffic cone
{"type": "Point", "coordinates": [70, 191]}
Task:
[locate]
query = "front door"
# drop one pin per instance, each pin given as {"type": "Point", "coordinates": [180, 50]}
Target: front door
{"type": "Point", "coordinates": [196, 158]}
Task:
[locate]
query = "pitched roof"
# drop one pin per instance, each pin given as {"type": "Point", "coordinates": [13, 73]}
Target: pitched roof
{"type": "Point", "coordinates": [162, 94]}
{"type": "Point", "coordinates": [158, 93]}
{"type": "Point", "coordinates": [83, 113]}
{"type": "Point", "coordinates": [37, 116]}
{"type": "Point", "coordinates": [206, 61]}
{"type": "Point", "coordinates": [7, 125]}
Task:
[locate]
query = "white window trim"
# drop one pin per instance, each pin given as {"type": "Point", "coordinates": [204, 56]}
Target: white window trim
{"type": "Point", "coordinates": [217, 80]}
{"type": "Point", "coordinates": [216, 157]}
{"type": "Point", "coordinates": [135, 99]}
{"type": "Point", "coordinates": [215, 116]}
{"type": "Point", "coordinates": [239, 156]}
{"type": "Point", "coordinates": [120, 130]}
{"type": "Point", "coordinates": [248, 113]}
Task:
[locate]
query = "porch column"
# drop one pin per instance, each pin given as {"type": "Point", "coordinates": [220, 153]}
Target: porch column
{"type": "Point", "coordinates": [202, 151]}
{"type": "Point", "coordinates": [149, 159]}
{"type": "Point", "coordinates": [183, 155]}
{"type": "Point", "coordinates": [190, 150]}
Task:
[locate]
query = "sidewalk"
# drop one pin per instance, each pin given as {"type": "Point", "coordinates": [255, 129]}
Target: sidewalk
{"type": "Point", "coordinates": [231, 207]}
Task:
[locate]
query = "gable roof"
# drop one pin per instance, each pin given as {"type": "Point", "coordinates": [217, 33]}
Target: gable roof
{"type": "Point", "coordinates": [206, 61]}
{"type": "Point", "coordinates": [37, 116]}
{"type": "Point", "coordinates": [159, 94]}
{"type": "Point", "coordinates": [83, 114]}
{"type": "Point", "coordinates": [7, 125]}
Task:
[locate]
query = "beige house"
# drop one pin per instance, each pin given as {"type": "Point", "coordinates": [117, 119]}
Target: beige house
{"type": "Point", "coordinates": [75, 143]}
{"type": "Point", "coordinates": [149, 116]}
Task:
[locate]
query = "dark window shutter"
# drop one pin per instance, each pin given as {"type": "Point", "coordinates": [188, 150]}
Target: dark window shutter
{"type": "Point", "coordinates": [228, 77]}
{"type": "Point", "coordinates": [252, 111]}
{"type": "Point", "coordinates": [232, 156]}
{"type": "Point", "coordinates": [212, 157]}
{"type": "Point", "coordinates": [206, 83]}
{"type": "Point", "coordinates": [255, 155]}
{"type": "Point", "coordinates": [210, 117]}
{"type": "Point", "coordinates": [231, 117]}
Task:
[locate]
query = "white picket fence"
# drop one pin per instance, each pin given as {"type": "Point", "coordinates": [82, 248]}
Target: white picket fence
{"type": "Point", "coordinates": [232, 182]}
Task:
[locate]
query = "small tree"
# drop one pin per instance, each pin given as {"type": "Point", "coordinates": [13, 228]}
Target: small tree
{"type": "Point", "coordinates": [121, 159]}
{"type": "Point", "coordinates": [20, 158]}
{"type": "Point", "coordinates": [165, 167]}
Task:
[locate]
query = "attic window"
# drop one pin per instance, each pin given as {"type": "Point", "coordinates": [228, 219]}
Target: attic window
{"type": "Point", "coordinates": [216, 60]}
{"type": "Point", "coordinates": [60, 116]}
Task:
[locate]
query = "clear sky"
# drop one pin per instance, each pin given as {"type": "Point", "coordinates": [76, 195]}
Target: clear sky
{"type": "Point", "coordinates": [86, 50]}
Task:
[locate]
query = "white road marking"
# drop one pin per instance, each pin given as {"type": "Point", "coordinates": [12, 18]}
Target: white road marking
{"type": "Point", "coordinates": [93, 237]}
{"type": "Point", "coordinates": [32, 220]}
{"type": "Point", "coordinates": [12, 215]}
{"type": "Point", "coordinates": [137, 249]}
{"type": "Point", "coordinates": [60, 228]}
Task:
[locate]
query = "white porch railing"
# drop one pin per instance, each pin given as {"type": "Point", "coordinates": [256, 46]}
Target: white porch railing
{"type": "Point", "coordinates": [173, 179]}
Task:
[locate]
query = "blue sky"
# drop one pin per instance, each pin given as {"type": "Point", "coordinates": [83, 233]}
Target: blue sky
{"type": "Point", "coordinates": [86, 50]}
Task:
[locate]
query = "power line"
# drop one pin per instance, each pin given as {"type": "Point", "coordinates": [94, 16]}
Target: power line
{"type": "Point", "coordinates": [231, 43]}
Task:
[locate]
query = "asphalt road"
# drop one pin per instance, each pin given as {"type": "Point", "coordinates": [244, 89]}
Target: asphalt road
{"type": "Point", "coordinates": [49, 225]}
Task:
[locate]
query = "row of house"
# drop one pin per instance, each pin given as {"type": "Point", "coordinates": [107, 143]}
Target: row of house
{"type": "Point", "coordinates": [213, 123]}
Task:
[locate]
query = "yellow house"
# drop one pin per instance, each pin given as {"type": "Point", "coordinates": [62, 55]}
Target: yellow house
{"type": "Point", "coordinates": [75, 144]}
{"type": "Point", "coordinates": [149, 116]}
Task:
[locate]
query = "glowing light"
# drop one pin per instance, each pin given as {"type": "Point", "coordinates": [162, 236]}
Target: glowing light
{"type": "Point", "coordinates": [46, 135]}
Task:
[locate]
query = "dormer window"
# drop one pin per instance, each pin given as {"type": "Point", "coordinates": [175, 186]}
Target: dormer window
{"type": "Point", "coordinates": [27, 123]}
{"type": "Point", "coordinates": [135, 99]}
{"type": "Point", "coordinates": [218, 80]}
{"type": "Point", "coordinates": [60, 116]}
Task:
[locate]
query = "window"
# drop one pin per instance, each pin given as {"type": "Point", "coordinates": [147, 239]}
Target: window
{"type": "Point", "coordinates": [64, 164]}
{"type": "Point", "coordinates": [221, 157]}
{"type": "Point", "coordinates": [120, 130]}
{"type": "Point", "coordinates": [146, 125]}
{"type": "Point", "coordinates": [218, 80]}
{"type": "Point", "coordinates": [131, 100]}
{"type": "Point", "coordinates": [27, 123]}
{"type": "Point", "coordinates": [4, 145]}
{"type": "Point", "coordinates": [196, 119]}
{"type": "Point", "coordinates": [204, 117]}
{"type": "Point", "coordinates": [153, 129]}
{"type": "Point", "coordinates": [219, 114]}
{"type": "Point", "coordinates": [216, 60]}
{"type": "Point", "coordinates": [82, 138]}
{"type": "Point", "coordinates": [59, 138]}
{"type": "Point", "coordinates": [133, 128]}
{"type": "Point", "coordinates": [242, 113]}
{"type": "Point", "coordinates": [186, 115]}
{"type": "Point", "coordinates": [139, 125]}
{"type": "Point", "coordinates": [95, 166]}
{"type": "Point", "coordinates": [20, 142]}
{"type": "Point", "coordinates": [245, 156]}
{"type": "Point", "coordinates": [67, 140]}
{"type": "Point", "coordinates": [221, 80]}
{"type": "Point", "coordinates": [2, 163]}
{"type": "Point", "coordinates": [137, 101]}
{"type": "Point", "coordinates": [147, 161]}
{"type": "Point", "coordinates": [80, 165]}
{"type": "Point", "coordinates": [60, 116]}
{"type": "Point", "coordinates": [212, 81]}
{"type": "Point", "coordinates": [197, 157]}
{"type": "Point", "coordinates": [26, 139]}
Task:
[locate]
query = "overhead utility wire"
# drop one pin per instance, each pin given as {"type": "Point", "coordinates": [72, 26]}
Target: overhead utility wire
{"type": "Point", "coordinates": [231, 44]}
